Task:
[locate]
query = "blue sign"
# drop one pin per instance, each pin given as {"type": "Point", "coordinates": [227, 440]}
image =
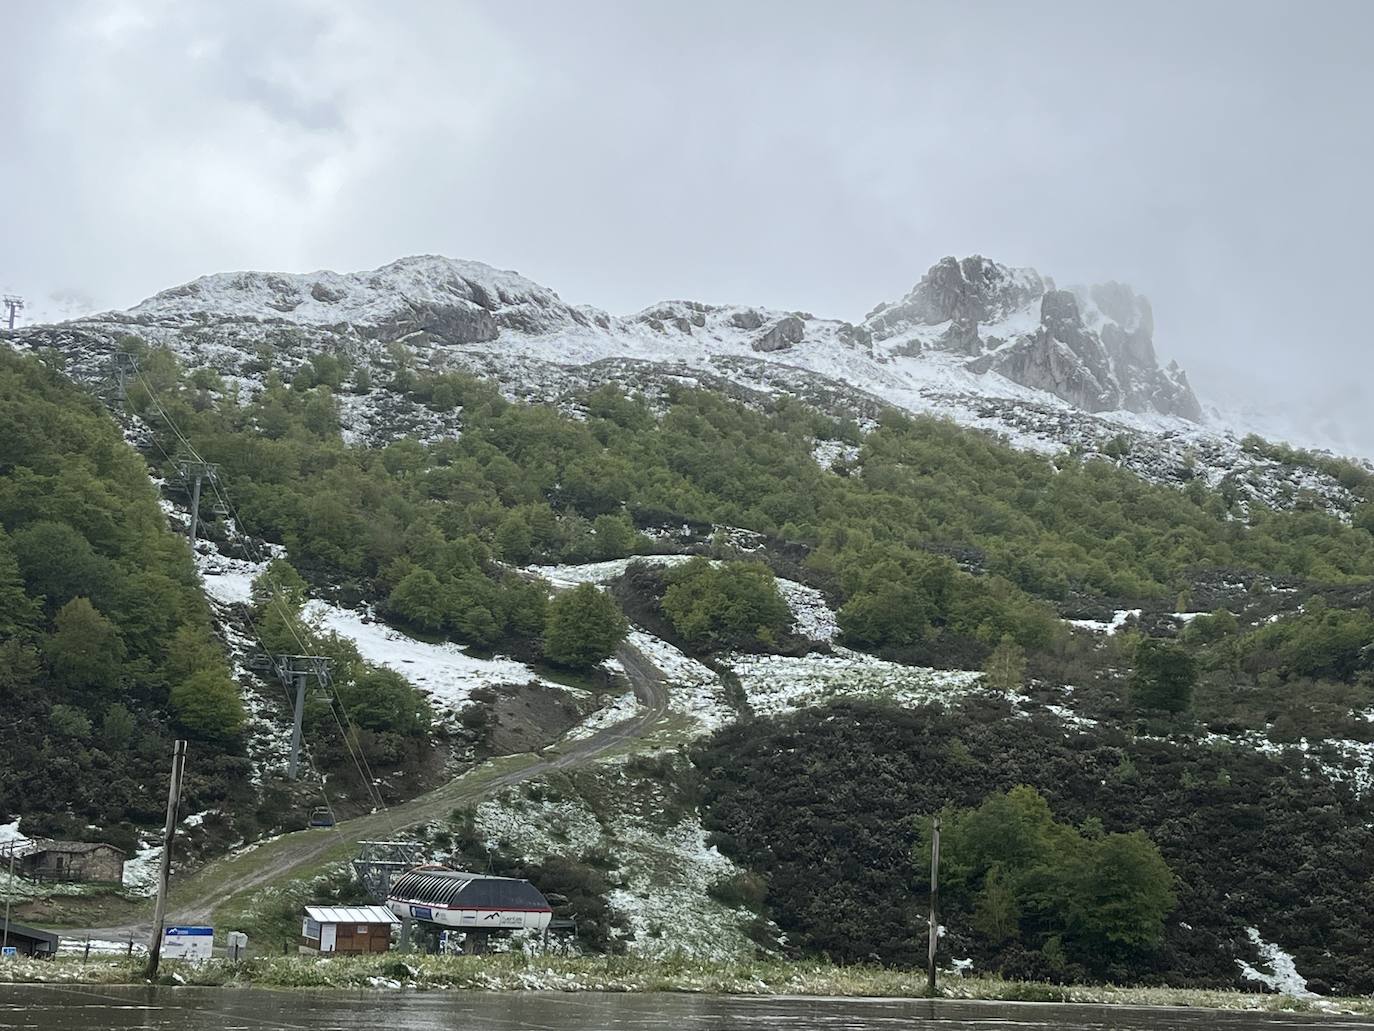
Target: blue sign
{"type": "Point", "coordinates": [422, 912]}
{"type": "Point", "coordinates": [189, 932]}
{"type": "Point", "coordinates": [9, 951]}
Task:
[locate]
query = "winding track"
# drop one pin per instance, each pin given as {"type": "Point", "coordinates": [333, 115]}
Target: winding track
{"type": "Point", "coordinates": [196, 898]}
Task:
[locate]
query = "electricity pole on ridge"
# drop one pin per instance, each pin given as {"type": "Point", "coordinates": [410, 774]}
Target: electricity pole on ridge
{"type": "Point", "coordinates": [165, 867]}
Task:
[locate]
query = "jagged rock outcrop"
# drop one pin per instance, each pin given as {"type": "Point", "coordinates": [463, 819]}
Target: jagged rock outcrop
{"type": "Point", "coordinates": [1092, 347]}
{"type": "Point", "coordinates": [782, 334]}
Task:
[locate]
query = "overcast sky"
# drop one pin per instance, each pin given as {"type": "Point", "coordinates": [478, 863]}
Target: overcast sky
{"type": "Point", "coordinates": [797, 155]}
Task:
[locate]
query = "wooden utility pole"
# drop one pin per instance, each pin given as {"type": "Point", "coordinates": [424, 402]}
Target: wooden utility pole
{"type": "Point", "coordinates": [9, 894]}
{"type": "Point", "coordinates": [934, 903]}
{"type": "Point", "coordinates": [165, 868]}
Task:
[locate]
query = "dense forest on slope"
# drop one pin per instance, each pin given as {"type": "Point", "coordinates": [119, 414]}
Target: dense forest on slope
{"type": "Point", "coordinates": [830, 806]}
{"type": "Point", "coordinates": [932, 532]}
{"type": "Point", "coordinates": [106, 650]}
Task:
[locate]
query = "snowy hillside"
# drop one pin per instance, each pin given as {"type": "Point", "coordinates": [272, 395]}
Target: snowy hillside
{"type": "Point", "coordinates": [988, 346]}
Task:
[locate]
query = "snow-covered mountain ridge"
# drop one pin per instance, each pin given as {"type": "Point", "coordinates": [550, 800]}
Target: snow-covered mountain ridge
{"type": "Point", "coordinates": [989, 346]}
{"type": "Point", "coordinates": [1091, 347]}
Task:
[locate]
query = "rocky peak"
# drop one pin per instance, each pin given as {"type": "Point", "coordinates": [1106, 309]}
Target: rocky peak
{"type": "Point", "coordinates": [965, 292]}
{"type": "Point", "coordinates": [1091, 346]}
{"type": "Point", "coordinates": [442, 298]}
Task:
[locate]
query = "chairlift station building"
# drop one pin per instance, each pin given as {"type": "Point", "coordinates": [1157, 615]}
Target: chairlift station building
{"type": "Point", "coordinates": [468, 901]}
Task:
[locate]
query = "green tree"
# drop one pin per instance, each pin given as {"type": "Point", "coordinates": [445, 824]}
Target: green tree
{"type": "Point", "coordinates": [69, 721]}
{"type": "Point", "coordinates": [1006, 666]}
{"type": "Point", "coordinates": [117, 727]}
{"type": "Point", "coordinates": [584, 627]}
{"type": "Point", "coordinates": [383, 700]}
{"type": "Point", "coordinates": [207, 706]}
{"type": "Point", "coordinates": [419, 599]}
{"type": "Point", "coordinates": [279, 581]}
{"type": "Point", "coordinates": [997, 914]}
{"type": "Point", "coordinates": [514, 539]}
{"type": "Point", "coordinates": [726, 605]}
{"type": "Point", "coordinates": [84, 650]}
{"type": "Point", "coordinates": [1121, 892]}
{"type": "Point", "coordinates": [615, 535]}
{"type": "Point", "coordinates": [1020, 869]}
{"type": "Point", "coordinates": [19, 613]}
{"type": "Point", "coordinates": [1164, 676]}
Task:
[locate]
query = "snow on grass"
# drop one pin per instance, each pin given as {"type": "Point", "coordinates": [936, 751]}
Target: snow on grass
{"type": "Point", "coordinates": [1097, 626]}
{"type": "Point", "coordinates": [664, 871]}
{"type": "Point", "coordinates": [695, 691]}
{"type": "Point", "coordinates": [141, 870]}
{"type": "Point", "coordinates": [625, 707]}
{"type": "Point", "coordinates": [534, 828]}
{"type": "Point", "coordinates": [1283, 973]}
{"type": "Point", "coordinates": [1070, 718]}
{"type": "Point", "coordinates": [1339, 759]}
{"type": "Point", "coordinates": [828, 452]}
{"type": "Point", "coordinates": [776, 684]}
{"type": "Point", "coordinates": [99, 947]}
{"type": "Point", "coordinates": [10, 836]}
{"type": "Point", "coordinates": [599, 572]}
{"type": "Point", "coordinates": [665, 898]}
{"type": "Point", "coordinates": [812, 616]}
{"type": "Point", "coordinates": [445, 672]}
{"type": "Point", "coordinates": [228, 581]}
{"type": "Point", "coordinates": [269, 728]}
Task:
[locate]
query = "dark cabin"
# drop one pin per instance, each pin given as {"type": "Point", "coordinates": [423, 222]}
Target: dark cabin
{"type": "Point", "coordinates": [28, 941]}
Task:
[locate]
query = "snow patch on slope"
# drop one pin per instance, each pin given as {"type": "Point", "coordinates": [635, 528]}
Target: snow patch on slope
{"type": "Point", "coordinates": [695, 692]}
{"type": "Point", "coordinates": [664, 871]}
{"type": "Point", "coordinates": [777, 684]}
{"type": "Point", "coordinates": [445, 672]}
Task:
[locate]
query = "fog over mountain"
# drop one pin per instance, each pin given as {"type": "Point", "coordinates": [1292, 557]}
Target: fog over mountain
{"type": "Point", "coordinates": [799, 156]}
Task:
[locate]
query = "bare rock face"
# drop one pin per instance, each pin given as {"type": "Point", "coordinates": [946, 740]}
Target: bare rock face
{"type": "Point", "coordinates": [781, 335]}
{"type": "Point", "coordinates": [453, 324]}
{"type": "Point", "coordinates": [1092, 347]}
{"type": "Point", "coordinates": [965, 293]}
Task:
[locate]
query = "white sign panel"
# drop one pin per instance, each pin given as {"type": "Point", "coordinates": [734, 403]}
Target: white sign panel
{"type": "Point", "coordinates": [194, 944]}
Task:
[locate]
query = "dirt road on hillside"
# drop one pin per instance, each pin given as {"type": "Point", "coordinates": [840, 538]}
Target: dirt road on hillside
{"type": "Point", "coordinates": [196, 896]}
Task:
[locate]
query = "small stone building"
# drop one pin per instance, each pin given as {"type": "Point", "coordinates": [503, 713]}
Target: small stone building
{"type": "Point", "coordinates": [347, 930]}
{"type": "Point", "coordinates": [95, 861]}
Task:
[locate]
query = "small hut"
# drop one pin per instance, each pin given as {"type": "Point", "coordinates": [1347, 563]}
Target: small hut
{"type": "Point", "coordinates": [95, 861]}
{"type": "Point", "coordinates": [347, 930]}
{"type": "Point", "coordinates": [28, 941]}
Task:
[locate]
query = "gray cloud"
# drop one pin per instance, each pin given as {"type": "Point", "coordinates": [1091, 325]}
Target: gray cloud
{"type": "Point", "coordinates": [810, 155]}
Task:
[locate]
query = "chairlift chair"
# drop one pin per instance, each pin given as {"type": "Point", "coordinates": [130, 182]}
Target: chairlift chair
{"type": "Point", "coordinates": [320, 816]}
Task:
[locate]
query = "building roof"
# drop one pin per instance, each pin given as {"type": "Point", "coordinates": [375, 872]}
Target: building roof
{"type": "Point", "coordinates": [351, 915]}
{"type": "Point", "coordinates": [33, 933]}
{"type": "Point", "coordinates": [429, 886]}
{"type": "Point", "coordinates": [49, 845]}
